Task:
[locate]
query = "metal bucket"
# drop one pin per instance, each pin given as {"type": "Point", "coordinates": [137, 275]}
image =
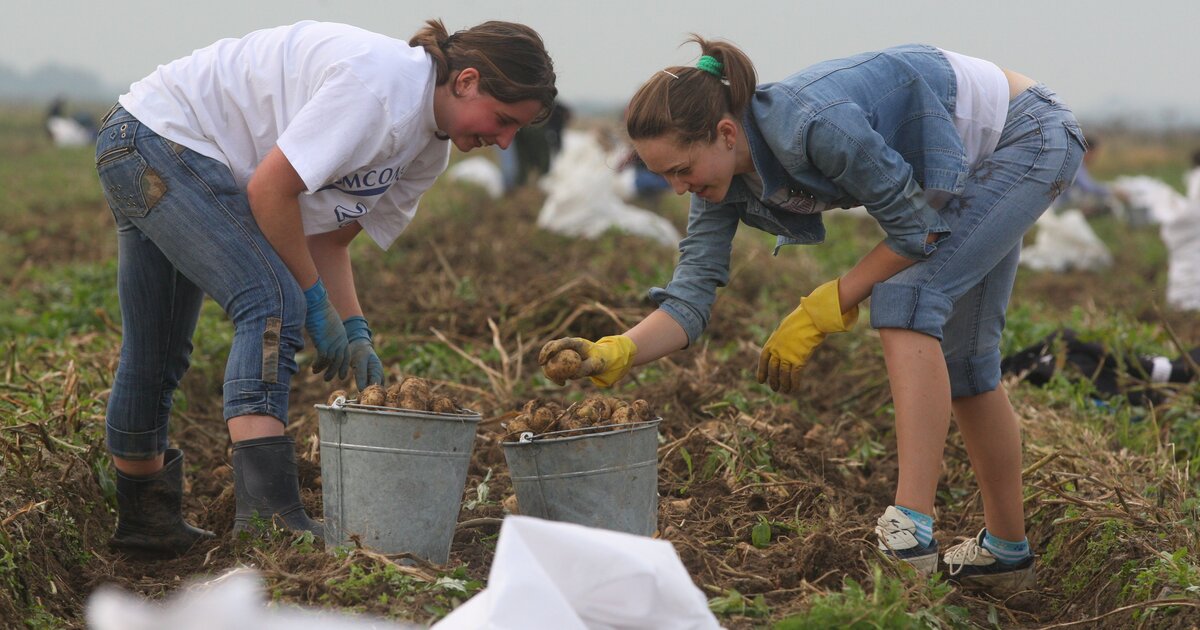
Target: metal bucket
{"type": "Point", "coordinates": [606, 479]}
{"type": "Point", "coordinates": [394, 478]}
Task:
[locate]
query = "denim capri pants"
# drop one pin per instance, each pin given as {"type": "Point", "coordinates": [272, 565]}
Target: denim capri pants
{"type": "Point", "coordinates": [184, 230]}
{"type": "Point", "coordinates": [960, 292]}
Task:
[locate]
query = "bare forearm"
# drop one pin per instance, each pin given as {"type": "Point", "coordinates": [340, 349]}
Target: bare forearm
{"type": "Point", "coordinates": [279, 219]}
{"type": "Point", "coordinates": [656, 336]}
{"type": "Point", "coordinates": [274, 195]}
{"type": "Point", "coordinates": [331, 254]}
{"type": "Point", "coordinates": [878, 265]}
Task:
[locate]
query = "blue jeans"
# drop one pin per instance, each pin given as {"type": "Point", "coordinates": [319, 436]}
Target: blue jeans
{"type": "Point", "coordinates": [184, 229]}
{"type": "Point", "coordinates": [960, 293]}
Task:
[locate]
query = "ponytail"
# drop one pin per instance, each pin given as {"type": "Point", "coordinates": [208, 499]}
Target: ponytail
{"type": "Point", "coordinates": [688, 101]}
{"type": "Point", "coordinates": [511, 59]}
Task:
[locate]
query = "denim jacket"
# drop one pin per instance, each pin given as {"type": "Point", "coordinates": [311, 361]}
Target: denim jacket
{"type": "Point", "coordinates": [874, 129]}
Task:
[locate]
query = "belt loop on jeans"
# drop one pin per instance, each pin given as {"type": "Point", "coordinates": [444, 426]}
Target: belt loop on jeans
{"type": "Point", "coordinates": [110, 113]}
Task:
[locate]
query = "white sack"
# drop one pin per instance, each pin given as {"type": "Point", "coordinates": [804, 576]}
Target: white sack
{"type": "Point", "coordinates": [480, 171]}
{"type": "Point", "coordinates": [67, 132]}
{"type": "Point", "coordinates": [582, 198]}
{"type": "Point", "coordinates": [234, 601]}
{"type": "Point", "coordinates": [1179, 226]}
{"type": "Point", "coordinates": [563, 576]}
{"type": "Point", "coordinates": [1064, 242]}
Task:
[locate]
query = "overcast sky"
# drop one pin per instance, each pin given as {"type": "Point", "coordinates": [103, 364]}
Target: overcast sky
{"type": "Point", "coordinates": [1099, 55]}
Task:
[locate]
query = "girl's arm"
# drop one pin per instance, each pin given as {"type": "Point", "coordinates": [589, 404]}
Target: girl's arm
{"type": "Point", "coordinates": [878, 265]}
{"type": "Point", "coordinates": [274, 194]}
{"type": "Point", "coordinates": [331, 255]}
{"type": "Point", "coordinates": [656, 336]}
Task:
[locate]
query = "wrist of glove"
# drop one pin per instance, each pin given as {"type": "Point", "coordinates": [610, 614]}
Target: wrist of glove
{"type": "Point", "coordinates": [368, 369]}
{"type": "Point", "coordinates": [605, 361]}
{"type": "Point", "coordinates": [787, 350]}
{"type": "Point", "coordinates": [328, 334]}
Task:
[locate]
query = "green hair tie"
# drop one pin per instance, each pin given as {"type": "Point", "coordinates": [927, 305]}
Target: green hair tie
{"type": "Point", "coordinates": [710, 65]}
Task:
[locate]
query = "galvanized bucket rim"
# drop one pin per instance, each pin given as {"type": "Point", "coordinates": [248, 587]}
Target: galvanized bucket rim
{"type": "Point", "coordinates": [592, 432]}
{"type": "Point", "coordinates": [470, 416]}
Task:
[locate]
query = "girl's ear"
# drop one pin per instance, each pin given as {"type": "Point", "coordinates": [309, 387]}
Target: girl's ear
{"type": "Point", "coordinates": [466, 81]}
{"type": "Point", "coordinates": [727, 132]}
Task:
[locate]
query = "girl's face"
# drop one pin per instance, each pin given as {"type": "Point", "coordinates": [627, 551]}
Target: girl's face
{"type": "Point", "coordinates": [472, 118]}
{"type": "Point", "coordinates": [703, 169]}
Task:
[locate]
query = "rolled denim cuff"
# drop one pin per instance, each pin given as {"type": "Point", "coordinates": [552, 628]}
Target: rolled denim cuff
{"type": "Point", "coordinates": [913, 247]}
{"type": "Point", "coordinates": [248, 397]}
{"type": "Point", "coordinates": [911, 307]}
{"type": "Point", "coordinates": [686, 316]}
{"type": "Point", "coordinates": [138, 445]}
{"type": "Point", "coordinates": [971, 376]}
{"type": "Point", "coordinates": [356, 328]}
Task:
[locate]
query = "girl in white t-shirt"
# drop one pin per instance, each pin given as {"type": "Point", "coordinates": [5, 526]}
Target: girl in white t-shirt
{"type": "Point", "coordinates": [243, 171]}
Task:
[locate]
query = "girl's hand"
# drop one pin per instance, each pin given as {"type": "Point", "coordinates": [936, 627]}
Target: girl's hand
{"type": "Point", "coordinates": [368, 370]}
{"type": "Point", "coordinates": [787, 350]}
{"type": "Point", "coordinates": [328, 333]}
{"type": "Point", "coordinates": [605, 361]}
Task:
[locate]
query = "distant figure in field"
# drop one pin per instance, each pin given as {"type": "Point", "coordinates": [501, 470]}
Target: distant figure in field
{"type": "Point", "coordinates": [66, 131]}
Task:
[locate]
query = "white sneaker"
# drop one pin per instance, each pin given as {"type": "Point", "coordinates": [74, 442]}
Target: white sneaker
{"type": "Point", "coordinates": [972, 565]}
{"type": "Point", "coordinates": [897, 535]}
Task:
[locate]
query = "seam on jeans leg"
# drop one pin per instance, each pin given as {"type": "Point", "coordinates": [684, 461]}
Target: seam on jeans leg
{"type": "Point", "coordinates": [262, 256]}
{"type": "Point", "coordinates": [999, 198]}
{"type": "Point", "coordinates": [270, 350]}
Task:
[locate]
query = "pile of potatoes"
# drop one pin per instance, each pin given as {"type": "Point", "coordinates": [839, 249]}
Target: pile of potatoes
{"type": "Point", "coordinates": [411, 393]}
{"type": "Point", "coordinates": [539, 416]}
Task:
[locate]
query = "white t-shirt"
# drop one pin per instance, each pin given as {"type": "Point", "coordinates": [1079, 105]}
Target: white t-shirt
{"type": "Point", "coordinates": [981, 105]}
{"type": "Point", "coordinates": [351, 110]}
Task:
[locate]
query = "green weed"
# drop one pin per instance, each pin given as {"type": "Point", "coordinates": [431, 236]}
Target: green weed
{"type": "Point", "coordinates": [890, 604]}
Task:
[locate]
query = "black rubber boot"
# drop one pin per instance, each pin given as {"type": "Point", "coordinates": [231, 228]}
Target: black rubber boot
{"type": "Point", "coordinates": [149, 517]}
{"type": "Point", "coordinates": [266, 485]}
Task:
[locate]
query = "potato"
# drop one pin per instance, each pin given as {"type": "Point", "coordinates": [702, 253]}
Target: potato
{"type": "Point", "coordinates": [562, 366]}
{"type": "Point", "coordinates": [372, 395]}
{"type": "Point", "coordinates": [516, 427]}
{"type": "Point", "coordinates": [542, 419]}
{"type": "Point", "coordinates": [393, 395]}
{"type": "Point", "coordinates": [334, 396]}
{"type": "Point", "coordinates": [443, 404]}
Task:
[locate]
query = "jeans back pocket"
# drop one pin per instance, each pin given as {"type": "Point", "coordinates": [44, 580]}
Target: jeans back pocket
{"type": "Point", "coordinates": [131, 186]}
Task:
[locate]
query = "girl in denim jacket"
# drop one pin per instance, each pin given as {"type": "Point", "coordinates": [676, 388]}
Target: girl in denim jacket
{"type": "Point", "coordinates": [955, 158]}
{"type": "Point", "coordinates": [243, 172]}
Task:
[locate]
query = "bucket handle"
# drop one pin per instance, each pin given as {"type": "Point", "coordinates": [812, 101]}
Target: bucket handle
{"type": "Point", "coordinates": [529, 436]}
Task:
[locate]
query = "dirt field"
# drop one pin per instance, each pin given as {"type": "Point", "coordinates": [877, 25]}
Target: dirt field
{"type": "Point", "coordinates": [770, 500]}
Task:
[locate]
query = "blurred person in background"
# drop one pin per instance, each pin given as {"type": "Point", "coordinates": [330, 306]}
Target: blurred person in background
{"type": "Point", "coordinates": [534, 148]}
{"type": "Point", "coordinates": [955, 158]}
{"type": "Point", "coordinates": [243, 172]}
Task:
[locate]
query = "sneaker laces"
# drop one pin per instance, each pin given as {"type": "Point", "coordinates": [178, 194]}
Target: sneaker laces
{"type": "Point", "coordinates": [965, 553]}
{"type": "Point", "coordinates": [888, 528]}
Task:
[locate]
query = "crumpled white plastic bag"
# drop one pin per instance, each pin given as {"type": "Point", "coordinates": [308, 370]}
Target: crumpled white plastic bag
{"type": "Point", "coordinates": [582, 196]}
{"type": "Point", "coordinates": [1179, 226]}
{"type": "Point", "coordinates": [233, 601]}
{"type": "Point", "coordinates": [480, 171]}
{"type": "Point", "coordinates": [1065, 241]}
{"type": "Point", "coordinates": [563, 576]}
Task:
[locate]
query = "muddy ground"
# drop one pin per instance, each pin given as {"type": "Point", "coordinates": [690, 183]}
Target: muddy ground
{"type": "Point", "coordinates": [818, 467]}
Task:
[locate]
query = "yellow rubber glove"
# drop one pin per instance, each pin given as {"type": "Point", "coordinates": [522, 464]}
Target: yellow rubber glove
{"type": "Point", "coordinates": [788, 349]}
{"type": "Point", "coordinates": [605, 361]}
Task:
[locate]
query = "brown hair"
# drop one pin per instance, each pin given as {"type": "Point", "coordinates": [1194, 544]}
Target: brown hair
{"type": "Point", "coordinates": [511, 59]}
{"type": "Point", "coordinates": [689, 102]}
